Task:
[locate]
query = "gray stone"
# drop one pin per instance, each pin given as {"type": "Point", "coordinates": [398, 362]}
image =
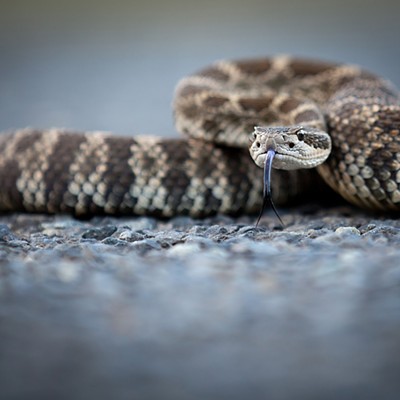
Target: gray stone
{"type": "Point", "coordinates": [113, 241]}
{"type": "Point", "coordinates": [131, 236]}
{"type": "Point", "coordinates": [347, 231]}
{"type": "Point", "coordinates": [99, 233]}
{"type": "Point", "coordinates": [5, 234]}
{"type": "Point", "coordinates": [143, 246]}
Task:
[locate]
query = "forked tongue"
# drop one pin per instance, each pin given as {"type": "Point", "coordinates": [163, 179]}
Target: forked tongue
{"type": "Point", "coordinates": [267, 197]}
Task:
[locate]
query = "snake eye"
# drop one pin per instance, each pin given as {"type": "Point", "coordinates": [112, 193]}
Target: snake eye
{"type": "Point", "coordinates": [300, 136]}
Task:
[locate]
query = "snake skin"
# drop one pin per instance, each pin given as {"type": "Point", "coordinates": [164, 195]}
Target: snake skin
{"type": "Point", "coordinates": [211, 171]}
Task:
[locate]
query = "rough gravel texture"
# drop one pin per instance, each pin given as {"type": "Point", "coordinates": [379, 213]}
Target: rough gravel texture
{"type": "Point", "coordinates": [136, 308]}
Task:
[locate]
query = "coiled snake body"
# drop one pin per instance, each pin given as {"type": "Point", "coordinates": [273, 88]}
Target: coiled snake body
{"type": "Point", "coordinates": [211, 171]}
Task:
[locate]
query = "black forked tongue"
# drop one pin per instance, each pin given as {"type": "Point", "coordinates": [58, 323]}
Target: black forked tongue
{"type": "Point", "coordinates": [267, 197]}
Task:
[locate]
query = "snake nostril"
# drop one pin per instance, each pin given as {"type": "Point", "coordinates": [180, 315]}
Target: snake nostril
{"type": "Point", "coordinates": [258, 144]}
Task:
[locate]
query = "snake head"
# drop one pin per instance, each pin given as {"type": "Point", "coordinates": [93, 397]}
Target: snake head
{"type": "Point", "coordinates": [295, 147]}
{"type": "Point", "coordinates": [287, 148]}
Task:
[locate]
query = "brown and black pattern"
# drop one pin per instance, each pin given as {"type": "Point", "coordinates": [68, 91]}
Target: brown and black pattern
{"type": "Point", "coordinates": [95, 173]}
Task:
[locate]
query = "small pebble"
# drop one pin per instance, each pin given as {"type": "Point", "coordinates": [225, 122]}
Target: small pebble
{"type": "Point", "coordinates": [99, 233]}
{"type": "Point", "coordinates": [347, 231]}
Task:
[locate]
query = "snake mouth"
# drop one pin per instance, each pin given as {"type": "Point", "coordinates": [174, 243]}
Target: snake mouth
{"type": "Point", "coordinates": [291, 161]}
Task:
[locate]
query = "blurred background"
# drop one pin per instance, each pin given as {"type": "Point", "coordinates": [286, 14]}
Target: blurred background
{"type": "Point", "coordinates": [113, 65]}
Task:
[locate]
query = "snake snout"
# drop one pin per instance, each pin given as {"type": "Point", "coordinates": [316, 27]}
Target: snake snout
{"type": "Point", "coordinates": [262, 142]}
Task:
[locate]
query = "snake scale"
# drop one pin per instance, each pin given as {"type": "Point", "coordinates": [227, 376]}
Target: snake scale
{"type": "Point", "coordinates": [210, 170]}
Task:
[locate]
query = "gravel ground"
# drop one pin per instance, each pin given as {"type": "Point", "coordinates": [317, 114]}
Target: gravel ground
{"type": "Point", "coordinates": [135, 308]}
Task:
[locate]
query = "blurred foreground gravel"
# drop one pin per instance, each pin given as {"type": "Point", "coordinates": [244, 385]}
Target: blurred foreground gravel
{"type": "Point", "coordinates": [135, 308]}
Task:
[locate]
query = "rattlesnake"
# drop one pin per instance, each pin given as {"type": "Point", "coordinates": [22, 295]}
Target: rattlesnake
{"type": "Point", "coordinates": [211, 170]}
